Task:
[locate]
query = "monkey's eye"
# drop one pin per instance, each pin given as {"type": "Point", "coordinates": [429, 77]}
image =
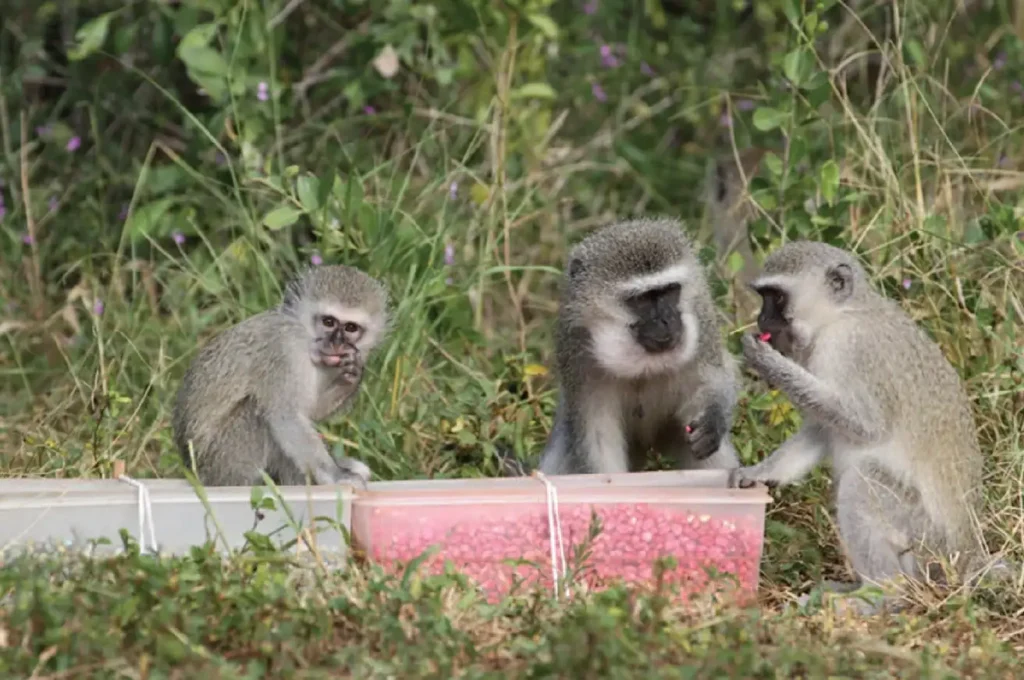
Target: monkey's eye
{"type": "Point", "coordinates": [329, 322]}
{"type": "Point", "coordinates": [351, 327]}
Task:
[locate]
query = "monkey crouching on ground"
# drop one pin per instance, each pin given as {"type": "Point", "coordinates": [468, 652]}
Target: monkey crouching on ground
{"type": "Point", "coordinates": [251, 397]}
{"type": "Point", "coordinates": [881, 401]}
{"type": "Point", "coordinates": [639, 356]}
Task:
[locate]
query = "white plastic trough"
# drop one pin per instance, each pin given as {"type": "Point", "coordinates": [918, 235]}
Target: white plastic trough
{"type": "Point", "coordinates": [73, 512]}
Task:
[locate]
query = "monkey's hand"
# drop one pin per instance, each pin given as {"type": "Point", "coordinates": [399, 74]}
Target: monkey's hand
{"type": "Point", "coordinates": [746, 477]}
{"type": "Point", "coordinates": [704, 434]}
{"type": "Point", "coordinates": [762, 358]}
{"type": "Point", "coordinates": [352, 471]}
{"type": "Point", "coordinates": [351, 365]}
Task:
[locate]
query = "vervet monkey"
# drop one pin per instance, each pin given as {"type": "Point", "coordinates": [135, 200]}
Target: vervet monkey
{"type": "Point", "coordinates": [639, 356]}
{"type": "Point", "coordinates": [251, 397]}
{"type": "Point", "coordinates": [878, 399]}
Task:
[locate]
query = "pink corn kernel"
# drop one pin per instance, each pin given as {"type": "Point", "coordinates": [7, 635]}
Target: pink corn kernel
{"type": "Point", "coordinates": [480, 541]}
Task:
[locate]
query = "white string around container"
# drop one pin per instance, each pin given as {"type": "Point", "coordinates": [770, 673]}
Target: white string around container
{"type": "Point", "coordinates": [145, 514]}
{"type": "Point", "coordinates": [554, 533]}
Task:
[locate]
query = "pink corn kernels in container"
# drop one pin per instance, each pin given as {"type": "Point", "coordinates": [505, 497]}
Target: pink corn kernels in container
{"type": "Point", "coordinates": [485, 526]}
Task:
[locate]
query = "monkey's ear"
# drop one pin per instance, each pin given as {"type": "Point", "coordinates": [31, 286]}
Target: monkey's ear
{"type": "Point", "coordinates": [575, 267]}
{"type": "Point", "coordinates": [840, 280]}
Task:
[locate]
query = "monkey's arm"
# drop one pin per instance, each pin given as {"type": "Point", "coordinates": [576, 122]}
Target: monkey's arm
{"type": "Point", "coordinates": [300, 442]}
{"type": "Point", "coordinates": [792, 461]}
{"type": "Point", "coordinates": [847, 408]}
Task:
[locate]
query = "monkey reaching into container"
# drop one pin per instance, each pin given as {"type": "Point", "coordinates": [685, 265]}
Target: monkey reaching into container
{"type": "Point", "coordinates": [639, 356]}
{"type": "Point", "coordinates": [880, 400]}
{"type": "Point", "coordinates": [251, 397]}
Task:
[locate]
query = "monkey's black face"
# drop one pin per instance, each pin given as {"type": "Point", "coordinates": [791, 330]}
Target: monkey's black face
{"type": "Point", "coordinates": [774, 319]}
{"type": "Point", "coordinates": [335, 338]}
{"type": "Point", "coordinates": [659, 325]}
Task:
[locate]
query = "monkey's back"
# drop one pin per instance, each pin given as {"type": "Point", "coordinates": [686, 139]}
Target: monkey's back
{"type": "Point", "coordinates": [929, 406]}
{"type": "Point", "coordinates": [222, 381]}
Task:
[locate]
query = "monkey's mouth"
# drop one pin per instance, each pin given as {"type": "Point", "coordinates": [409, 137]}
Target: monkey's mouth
{"type": "Point", "coordinates": [330, 359]}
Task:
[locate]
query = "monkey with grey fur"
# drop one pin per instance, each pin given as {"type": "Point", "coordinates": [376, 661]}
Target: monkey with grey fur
{"type": "Point", "coordinates": [251, 397]}
{"type": "Point", "coordinates": [880, 401]}
{"type": "Point", "coordinates": [639, 356]}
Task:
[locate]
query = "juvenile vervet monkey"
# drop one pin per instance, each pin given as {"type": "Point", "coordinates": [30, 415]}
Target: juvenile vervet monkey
{"type": "Point", "coordinates": [251, 397]}
{"type": "Point", "coordinates": [878, 399]}
{"type": "Point", "coordinates": [639, 356]}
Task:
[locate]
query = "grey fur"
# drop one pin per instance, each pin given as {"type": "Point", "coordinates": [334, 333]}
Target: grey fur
{"type": "Point", "coordinates": [623, 416]}
{"type": "Point", "coordinates": [251, 396]}
{"type": "Point", "coordinates": [881, 401]}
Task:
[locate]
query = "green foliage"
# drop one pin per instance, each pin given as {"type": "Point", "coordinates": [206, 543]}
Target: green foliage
{"type": "Point", "coordinates": [184, 158]}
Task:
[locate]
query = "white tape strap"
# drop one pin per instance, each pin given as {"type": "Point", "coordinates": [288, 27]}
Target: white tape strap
{"type": "Point", "coordinates": [145, 515]}
{"type": "Point", "coordinates": [554, 532]}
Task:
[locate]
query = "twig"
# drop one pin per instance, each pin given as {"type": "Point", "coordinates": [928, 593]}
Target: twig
{"type": "Point", "coordinates": [34, 278]}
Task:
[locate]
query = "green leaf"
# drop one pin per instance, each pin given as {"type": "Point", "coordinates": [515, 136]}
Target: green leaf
{"type": "Point", "coordinates": [535, 90]}
{"type": "Point", "coordinates": [281, 217]}
{"type": "Point", "coordinates": [198, 36]}
{"type": "Point", "coordinates": [830, 180]}
{"type": "Point", "coordinates": [811, 22]}
{"type": "Point", "coordinates": [308, 188]}
{"type": "Point", "coordinates": [655, 12]}
{"type": "Point", "coordinates": [324, 186]}
{"type": "Point", "coordinates": [797, 65]}
{"type": "Point", "coordinates": [546, 25]}
{"type": "Point", "coordinates": [773, 163]}
{"type": "Point", "coordinates": [148, 220]}
{"type": "Point", "coordinates": [202, 59]}
{"type": "Point", "coordinates": [90, 37]}
{"type": "Point", "coordinates": [767, 118]}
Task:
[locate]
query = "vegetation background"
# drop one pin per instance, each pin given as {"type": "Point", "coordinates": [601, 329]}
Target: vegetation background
{"type": "Point", "coordinates": [164, 166]}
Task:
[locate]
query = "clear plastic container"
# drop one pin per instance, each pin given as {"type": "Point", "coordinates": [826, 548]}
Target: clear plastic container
{"type": "Point", "coordinates": [485, 526]}
{"type": "Point", "coordinates": [70, 513]}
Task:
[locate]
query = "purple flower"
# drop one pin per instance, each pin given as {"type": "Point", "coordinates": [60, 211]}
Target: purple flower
{"type": "Point", "coordinates": [607, 57]}
{"type": "Point", "coordinates": [74, 143]}
{"type": "Point", "coordinates": [725, 120]}
{"type": "Point", "coordinates": [97, 307]}
{"type": "Point", "coordinates": [219, 158]}
{"type": "Point", "coordinates": [453, 190]}
{"type": "Point", "coordinates": [123, 215]}
{"type": "Point", "coordinates": [449, 254]}
{"type": "Point", "coordinates": [43, 130]}
{"type": "Point", "coordinates": [178, 237]}
{"type": "Point", "coordinates": [598, 92]}
{"type": "Point", "coordinates": [27, 239]}
{"type": "Point", "coordinates": [906, 284]}
{"type": "Point", "coordinates": [646, 69]}
{"type": "Point", "coordinates": [999, 62]}
{"type": "Point", "coordinates": [745, 105]}
{"type": "Point", "coordinates": [3, 211]}
{"type": "Point", "coordinates": [1003, 160]}
{"type": "Point", "coordinates": [262, 91]}
{"type": "Point", "coordinates": [316, 259]}
{"type": "Point", "coordinates": [53, 203]}
{"type": "Point", "coordinates": [590, 7]}
{"type": "Point", "coordinates": [369, 110]}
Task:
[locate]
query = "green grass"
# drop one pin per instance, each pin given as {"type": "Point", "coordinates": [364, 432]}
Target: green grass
{"type": "Point", "coordinates": [918, 172]}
